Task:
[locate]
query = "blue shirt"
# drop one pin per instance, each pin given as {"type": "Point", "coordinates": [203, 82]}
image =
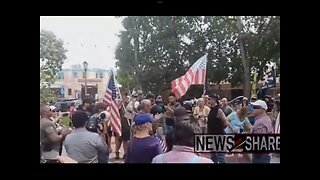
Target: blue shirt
{"type": "Point", "coordinates": [235, 122]}
{"type": "Point", "coordinates": [143, 150]}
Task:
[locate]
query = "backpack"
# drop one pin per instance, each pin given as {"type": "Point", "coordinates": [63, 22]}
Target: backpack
{"type": "Point", "coordinates": [92, 124]}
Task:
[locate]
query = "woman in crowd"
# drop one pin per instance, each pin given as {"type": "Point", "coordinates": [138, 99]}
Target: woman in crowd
{"type": "Point", "coordinates": [239, 123]}
{"type": "Point", "coordinates": [201, 114]}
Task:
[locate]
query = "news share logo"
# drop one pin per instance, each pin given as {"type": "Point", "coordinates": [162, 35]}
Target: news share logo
{"type": "Point", "coordinates": [238, 143]}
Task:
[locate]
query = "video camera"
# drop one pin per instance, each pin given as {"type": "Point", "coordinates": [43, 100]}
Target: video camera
{"type": "Point", "coordinates": [104, 116]}
{"type": "Point", "coordinates": [95, 120]}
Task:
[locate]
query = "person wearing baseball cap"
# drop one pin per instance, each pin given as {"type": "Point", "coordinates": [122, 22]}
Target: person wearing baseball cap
{"type": "Point", "coordinates": [143, 147]}
{"type": "Point", "coordinates": [262, 125]}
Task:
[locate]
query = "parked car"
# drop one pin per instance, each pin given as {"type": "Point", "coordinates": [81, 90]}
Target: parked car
{"type": "Point", "coordinates": [64, 105]}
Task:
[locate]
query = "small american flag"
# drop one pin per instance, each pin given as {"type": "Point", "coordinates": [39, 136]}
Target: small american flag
{"type": "Point", "coordinates": [129, 115]}
{"type": "Point", "coordinates": [110, 99]}
{"type": "Point", "coordinates": [162, 144]}
{"type": "Point", "coordinates": [195, 75]}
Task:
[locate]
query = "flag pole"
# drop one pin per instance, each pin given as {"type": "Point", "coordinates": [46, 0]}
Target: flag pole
{"type": "Point", "coordinates": [120, 96]}
{"type": "Point", "coordinates": [205, 78]}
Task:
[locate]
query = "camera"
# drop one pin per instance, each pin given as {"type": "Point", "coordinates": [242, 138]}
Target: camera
{"type": "Point", "coordinates": [104, 116]}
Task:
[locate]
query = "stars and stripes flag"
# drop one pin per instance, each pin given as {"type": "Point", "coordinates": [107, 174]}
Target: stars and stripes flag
{"type": "Point", "coordinates": [195, 75]}
{"type": "Point", "coordinates": [162, 144]}
{"type": "Point", "coordinates": [110, 98]}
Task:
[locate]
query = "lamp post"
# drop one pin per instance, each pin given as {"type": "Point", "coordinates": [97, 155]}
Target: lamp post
{"type": "Point", "coordinates": [85, 67]}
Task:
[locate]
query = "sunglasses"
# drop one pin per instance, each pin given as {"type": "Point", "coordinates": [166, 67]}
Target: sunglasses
{"type": "Point", "coordinates": [256, 107]}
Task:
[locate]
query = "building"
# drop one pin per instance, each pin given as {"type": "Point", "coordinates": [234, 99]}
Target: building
{"type": "Point", "coordinates": [71, 82]}
{"type": "Point", "coordinates": [225, 89]}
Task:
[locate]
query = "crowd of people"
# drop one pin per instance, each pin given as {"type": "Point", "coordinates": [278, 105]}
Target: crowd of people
{"type": "Point", "coordinates": [152, 131]}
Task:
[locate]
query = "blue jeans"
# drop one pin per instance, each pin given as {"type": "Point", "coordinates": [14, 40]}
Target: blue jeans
{"type": "Point", "coordinates": [261, 159]}
{"type": "Point", "coordinates": [218, 158]}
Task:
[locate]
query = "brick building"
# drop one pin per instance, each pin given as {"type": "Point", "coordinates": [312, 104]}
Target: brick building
{"type": "Point", "coordinates": [72, 82]}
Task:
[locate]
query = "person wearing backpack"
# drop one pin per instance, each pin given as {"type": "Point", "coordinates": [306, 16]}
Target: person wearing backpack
{"type": "Point", "coordinates": [183, 147]}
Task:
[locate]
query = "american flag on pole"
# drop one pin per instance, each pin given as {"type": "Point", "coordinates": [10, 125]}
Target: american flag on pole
{"type": "Point", "coordinates": [195, 75]}
{"type": "Point", "coordinates": [110, 98]}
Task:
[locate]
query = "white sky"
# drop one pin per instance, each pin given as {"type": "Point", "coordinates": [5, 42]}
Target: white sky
{"type": "Point", "coordinates": [87, 38]}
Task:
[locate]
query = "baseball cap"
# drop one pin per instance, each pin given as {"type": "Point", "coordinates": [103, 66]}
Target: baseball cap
{"type": "Point", "coordinates": [142, 119]}
{"type": "Point", "coordinates": [260, 103]}
{"type": "Point", "coordinates": [254, 96]}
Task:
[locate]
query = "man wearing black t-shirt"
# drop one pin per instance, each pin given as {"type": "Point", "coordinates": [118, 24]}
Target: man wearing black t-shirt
{"type": "Point", "coordinates": [217, 122]}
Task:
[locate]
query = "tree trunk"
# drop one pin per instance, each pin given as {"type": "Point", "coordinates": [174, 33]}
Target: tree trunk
{"type": "Point", "coordinates": [245, 61]}
{"type": "Point", "coordinates": [136, 52]}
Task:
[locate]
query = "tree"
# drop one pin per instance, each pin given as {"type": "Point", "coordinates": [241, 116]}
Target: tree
{"type": "Point", "coordinates": [169, 45]}
{"type": "Point", "coordinates": [52, 57]}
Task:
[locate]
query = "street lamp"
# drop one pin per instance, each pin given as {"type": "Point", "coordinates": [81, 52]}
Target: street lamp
{"type": "Point", "coordinates": [85, 67]}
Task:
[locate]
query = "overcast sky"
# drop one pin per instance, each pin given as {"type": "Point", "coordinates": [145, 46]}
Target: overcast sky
{"type": "Point", "coordinates": [91, 39]}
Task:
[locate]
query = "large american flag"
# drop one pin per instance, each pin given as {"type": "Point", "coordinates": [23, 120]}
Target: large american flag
{"type": "Point", "coordinates": [195, 75]}
{"type": "Point", "coordinates": [110, 98]}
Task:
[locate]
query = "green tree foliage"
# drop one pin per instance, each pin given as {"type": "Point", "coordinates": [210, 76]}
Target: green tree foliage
{"type": "Point", "coordinates": [52, 57]}
{"type": "Point", "coordinates": [169, 45]}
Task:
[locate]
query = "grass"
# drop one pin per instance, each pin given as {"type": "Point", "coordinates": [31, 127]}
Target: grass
{"type": "Point", "coordinates": [65, 121]}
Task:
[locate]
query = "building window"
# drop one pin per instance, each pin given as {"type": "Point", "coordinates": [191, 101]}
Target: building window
{"type": "Point", "coordinates": [96, 75]}
{"type": "Point", "coordinates": [101, 75]}
{"type": "Point", "coordinates": [61, 75]}
{"type": "Point", "coordinates": [69, 92]}
{"type": "Point", "coordinates": [75, 75]}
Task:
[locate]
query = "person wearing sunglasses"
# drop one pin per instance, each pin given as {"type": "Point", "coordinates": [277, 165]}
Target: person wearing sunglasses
{"type": "Point", "coordinates": [262, 125]}
{"type": "Point", "coordinates": [50, 138]}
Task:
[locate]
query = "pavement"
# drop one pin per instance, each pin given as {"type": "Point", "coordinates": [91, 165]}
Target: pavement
{"type": "Point", "coordinates": [112, 156]}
